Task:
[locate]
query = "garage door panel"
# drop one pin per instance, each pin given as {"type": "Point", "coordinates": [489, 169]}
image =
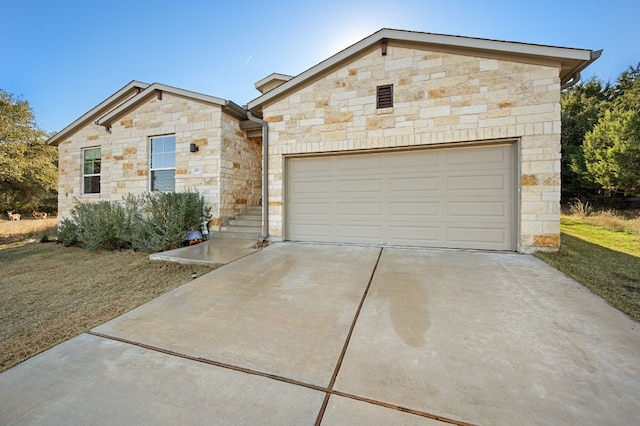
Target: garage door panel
{"type": "Point", "coordinates": [312, 167]}
{"type": "Point", "coordinates": [307, 187]}
{"type": "Point", "coordinates": [408, 162]}
{"type": "Point", "coordinates": [399, 210]}
{"type": "Point", "coordinates": [414, 235]}
{"type": "Point", "coordinates": [359, 185]}
{"type": "Point", "coordinates": [357, 165]}
{"type": "Point", "coordinates": [362, 209]}
{"type": "Point", "coordinates": [308, 207]}
{"type": "Point", "coordinates": [414, 183]}
{"type": "Point", "coordinates": [477, 182]}
{"type": "Point", "coordinates": [497, 209]}
{"type": "Point", "coordinates": [362, 232]}
{"type": "Point", "coordinates": [458, 198]}
{"type": "Point", "coordinates": [473, 237]}
{"type": "Point", "coordinates": [313, 231]}
{"type": "Point", "coordinates": [469, 159]}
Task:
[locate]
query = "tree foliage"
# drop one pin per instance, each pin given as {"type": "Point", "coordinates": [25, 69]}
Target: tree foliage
{"type": "Point", "coordinates": [581, 106]}
{"type": "Point", "coordinates": [601, 136]}
{"type": "Point", "coordinates": [612, 151]}
{"type": "Point", "coordinates": [28, 167]}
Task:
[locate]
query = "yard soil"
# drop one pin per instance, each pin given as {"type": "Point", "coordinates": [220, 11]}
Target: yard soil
{"type": "Point", "coordinates": [50, 293]}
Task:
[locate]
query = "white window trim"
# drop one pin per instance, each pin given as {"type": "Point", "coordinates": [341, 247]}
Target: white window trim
{"type": "Point", "coordinates": [155, 169]}
{"type": "Point", "coordinates": [83, 175]}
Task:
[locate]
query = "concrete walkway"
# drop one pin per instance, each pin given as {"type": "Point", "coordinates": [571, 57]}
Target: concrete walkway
{"type": "Point", "coordinates": [209, 252]}
{"type": "Point", "coordinates": [322, 334]}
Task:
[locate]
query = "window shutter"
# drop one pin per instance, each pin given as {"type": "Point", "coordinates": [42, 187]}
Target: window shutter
{"type": "Point", "coordinates": [384, 95]}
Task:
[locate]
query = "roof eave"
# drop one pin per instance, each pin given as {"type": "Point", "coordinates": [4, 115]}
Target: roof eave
{"type": "Point", "coordinates": [582, 57]}
{"type": "Point", "coordinates": [96, 111]}
{"type": "Point", "coordinates": [112, 115]}
{"type": "Point", "coordinates": [579, 67]}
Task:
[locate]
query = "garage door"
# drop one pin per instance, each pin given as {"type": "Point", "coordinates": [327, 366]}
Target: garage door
{"type": "Point", "coordinates": [455, 198]}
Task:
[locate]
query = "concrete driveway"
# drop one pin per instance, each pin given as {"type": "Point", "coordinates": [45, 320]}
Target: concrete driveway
{"type": "Point", "coordinates": [325, 334]}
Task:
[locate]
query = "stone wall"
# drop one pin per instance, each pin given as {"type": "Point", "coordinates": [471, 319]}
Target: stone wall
{"type": "Point", "coordinates": [126, 152]}
{"type": "Point", "coordinates": [439, 98]}
{"type": "Point", "coordinates": [240, 170]}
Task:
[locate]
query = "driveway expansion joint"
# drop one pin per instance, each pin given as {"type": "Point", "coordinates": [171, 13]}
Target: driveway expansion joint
{"type": "Point", "coordinates": [238, 369]}
{"type": "Point", "coordinates": [346, 342]}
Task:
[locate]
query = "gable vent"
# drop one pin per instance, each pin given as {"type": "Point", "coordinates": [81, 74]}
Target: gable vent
{"type": "Point", "coordinates": [384, 96]}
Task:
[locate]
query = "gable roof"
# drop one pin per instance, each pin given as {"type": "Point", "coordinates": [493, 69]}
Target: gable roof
{"type": "Point", "coordinates": [153, 90]}
{"type": "Point", "coordinates": [112, 101]}
{"type": "Point", "coordinates": [571, 60]}
{"type": "Point", "coordinates": [131, 95]}
{"type": "Point", "coordinates": [272, 78]}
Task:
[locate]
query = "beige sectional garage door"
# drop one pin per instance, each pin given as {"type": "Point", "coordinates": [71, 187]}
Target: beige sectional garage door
{"type": "Point", "coordinates": [456, 198]}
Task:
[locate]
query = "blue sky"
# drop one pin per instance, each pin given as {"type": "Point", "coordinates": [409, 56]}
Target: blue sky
{"type": "Point", "coordinates": [64, 57]}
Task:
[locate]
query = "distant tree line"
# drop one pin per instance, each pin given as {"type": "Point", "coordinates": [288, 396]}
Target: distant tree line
{"type": "Point", "coordinates": [601, 138]}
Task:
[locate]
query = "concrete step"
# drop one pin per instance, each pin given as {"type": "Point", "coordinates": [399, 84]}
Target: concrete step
{"type": "Point", "coordinates": [241, 229]}
{"type": "Point", "coordinates": [245, 226]}
{"type": "Point", "coordinates": [250, 214]}
{"type": "Point", "coordinates": [245, 221]}
{"type": "Point", "coordinates": [227, 235]}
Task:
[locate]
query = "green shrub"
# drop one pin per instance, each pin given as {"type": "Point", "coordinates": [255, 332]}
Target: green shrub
{"type": "Point", "coordinates": [100, 225]}
{"type": "Point", "coordinates": [160, 221]}
{"type": "Point", "coordinates": [148, 222]}
{"type": "Point", "coordinates": [67, 232]}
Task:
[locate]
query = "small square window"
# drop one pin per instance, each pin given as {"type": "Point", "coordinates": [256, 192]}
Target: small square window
{"type": "Point", "coordinates": [384, 96]}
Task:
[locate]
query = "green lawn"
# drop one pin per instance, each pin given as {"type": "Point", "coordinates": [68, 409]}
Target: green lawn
{"type": "Point", "coordinates": [621, 241]}
{"type": "Point", "coordinates": [605, 261]}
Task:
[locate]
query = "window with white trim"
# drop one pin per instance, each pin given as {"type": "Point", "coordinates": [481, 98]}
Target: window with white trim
{"type": "Point", "coordinates": [91, 160]}
{"type": "Point", "coordinates": [163, 163]}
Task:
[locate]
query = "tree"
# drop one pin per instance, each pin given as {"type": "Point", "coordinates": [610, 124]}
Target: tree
{"type": "Point", "coordinates": [28, 166]}
{"type": "Point", "coordinates": [582, 106]}
{"type": "Point", "coordinates": [612, 151]}
{"type": "Point", "coordinates": [626, 91]}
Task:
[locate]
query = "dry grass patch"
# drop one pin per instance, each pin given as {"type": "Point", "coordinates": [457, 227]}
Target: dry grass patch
{"type": "Point", "coordinates": [616, 221]}
{"type": "Point", "coordinates": [15, 231]}
{"type": "Point", "coordinates": [50, 293]}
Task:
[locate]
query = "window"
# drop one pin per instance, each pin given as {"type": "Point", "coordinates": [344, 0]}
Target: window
{"type": "Point", "coordinates": [384, 96]}
{"type": "Point", "coordinates": [91, 159]}
{"type": "Point", "coordinates": [163, 163]}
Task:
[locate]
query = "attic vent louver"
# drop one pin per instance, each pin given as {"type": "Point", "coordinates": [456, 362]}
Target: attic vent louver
{"type": "Point", "coordinates": [384, 96]}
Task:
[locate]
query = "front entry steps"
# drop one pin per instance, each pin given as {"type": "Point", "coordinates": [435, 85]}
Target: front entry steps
{"type": "Point", "coordinates": [247, 226]}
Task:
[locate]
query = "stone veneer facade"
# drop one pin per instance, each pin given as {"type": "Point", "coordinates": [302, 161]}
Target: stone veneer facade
{"type": "Point", "coordinates": [226, 170]}
{"type": "Point", "coordinates": [439, 98]}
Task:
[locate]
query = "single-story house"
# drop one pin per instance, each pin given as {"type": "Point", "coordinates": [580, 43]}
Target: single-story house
{"type": "Point", "coordinates": [404, 138]}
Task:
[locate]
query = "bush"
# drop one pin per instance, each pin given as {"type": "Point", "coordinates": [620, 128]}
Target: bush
{"type": "Point", "coordinates": [149, 222]}
{"type": "Point", "coordinates": [100, 225]}
{"type": "Point", "coordinates": [68, 232]}
{"type": "Point", "coordinates": [160, 221]}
